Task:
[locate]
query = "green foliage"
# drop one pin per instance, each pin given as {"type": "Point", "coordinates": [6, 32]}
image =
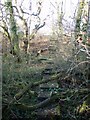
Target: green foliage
{"type": "Point", "coordinates": [84, 27]}
{"type": "Point", "coordinates": [8, 4]}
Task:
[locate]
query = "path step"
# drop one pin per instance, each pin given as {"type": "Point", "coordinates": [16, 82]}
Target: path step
{"type": "Point", "coordinates": [43, 95]}
{"type": "Point", "coordinates": [50, 85]}
{"type": "Point", "coordinates": [46, 89]}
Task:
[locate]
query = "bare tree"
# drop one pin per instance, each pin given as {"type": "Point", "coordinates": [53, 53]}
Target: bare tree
{"type": "Point", "coordinates": [9, 23]}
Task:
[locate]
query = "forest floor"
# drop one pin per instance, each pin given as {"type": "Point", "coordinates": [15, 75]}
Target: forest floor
{"type": "Point", "coordinates": [70, 88]}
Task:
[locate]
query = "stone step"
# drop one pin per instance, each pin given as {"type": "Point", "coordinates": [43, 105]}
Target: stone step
{"type": "Point", "coordinates": [43, 95]}
{"type": "Point", "coordinates": [49, 85]}
{"type": "Point", "coordinates": [46, 89]}
{"type": "Point", "coordinates": [52, 109]}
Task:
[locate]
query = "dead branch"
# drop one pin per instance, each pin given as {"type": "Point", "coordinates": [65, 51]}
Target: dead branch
{"type": "Point", "coordinates": [83, 62]}
{"type": "Point", "coordinates": [39, 105]}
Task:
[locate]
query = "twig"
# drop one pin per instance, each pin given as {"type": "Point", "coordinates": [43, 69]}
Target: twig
{"type": "Point", "coordinates": [83, 62]}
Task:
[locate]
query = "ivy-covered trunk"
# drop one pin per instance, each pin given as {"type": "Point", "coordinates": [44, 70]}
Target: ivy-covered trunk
{"type": "Point", "coordinates": [13, 29]}
{"type": "Point", "coordinates": [88, 29]}
{"type": "Point", "coordinates": [88, 35]}
{"type": "Point", "coordinates": [78, 17]}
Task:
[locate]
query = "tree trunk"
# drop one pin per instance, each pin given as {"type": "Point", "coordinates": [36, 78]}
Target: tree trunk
{"type": "Point", "coordinates": [78, 17]}
{"type": "Point", "coordinates": [88, 29]}
{"type": "Point", "coordinates": [13, 29]}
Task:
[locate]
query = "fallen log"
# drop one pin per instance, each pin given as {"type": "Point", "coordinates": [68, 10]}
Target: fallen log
{"type": "Point", "coordinates": [42, 104]}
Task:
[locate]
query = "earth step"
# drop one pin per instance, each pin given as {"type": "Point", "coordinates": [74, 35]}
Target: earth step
{"type": "Point", "coordinates": [40, 59]}
{"type": "Point", "coordinates": [48, 71]}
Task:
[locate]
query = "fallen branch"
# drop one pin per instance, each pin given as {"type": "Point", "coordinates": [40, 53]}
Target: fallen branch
{"type": "Point", "coordinates": [39, 105]}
